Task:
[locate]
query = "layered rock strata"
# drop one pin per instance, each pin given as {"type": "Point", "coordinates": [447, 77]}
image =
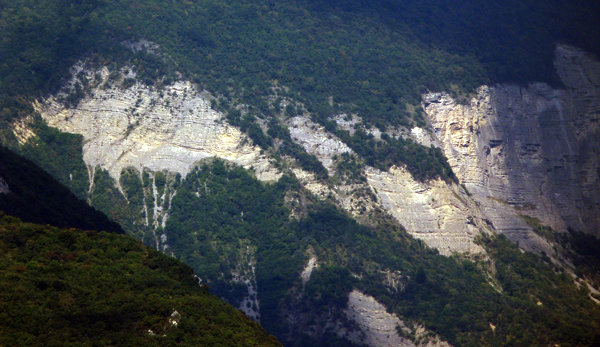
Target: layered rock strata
{"type": "Point", "coordinates": [381, 328]}
{"type": "Point", "coordinates": [142, 127]}
{"type": "Point", "coordinates": [440, 214]}
{"type": "Point", "coordinates": [529, 150]}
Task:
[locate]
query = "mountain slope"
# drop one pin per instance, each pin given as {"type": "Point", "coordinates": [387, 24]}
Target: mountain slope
{"type": "Point", "coordinates": [72, 287]}
{"type": "Point", "coordinates": [241, 238]}
{"type": "Point", "coordinates": [370, 56]}
{"type": "Point", "coordinates": [34, 196]}
{"type": "Point", "coordinates": [337, 154]}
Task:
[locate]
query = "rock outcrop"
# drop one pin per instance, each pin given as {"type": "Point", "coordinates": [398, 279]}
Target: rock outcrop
{"type": "Point", "coordinates": [441, 215]}
{"type": "Point", "coordinates": [529, 150]}
{"type": "Point", "coordinates": [317, 141]}
{"type": "Point", "coordinates": [4, 186]}
{"type": "Point", "coordinates": [381, 328]}
{"type": "Point", "coordinates": [143, 127]}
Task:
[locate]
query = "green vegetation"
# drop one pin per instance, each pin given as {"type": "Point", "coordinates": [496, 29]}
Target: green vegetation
{"type": "Point", "coordinates": [60, 154]}
{"type": "Point", "coordinates": [541, 297]}
{"type": "Point", "coordinates": [423, 163]}
{"type": "Point", "coordinates": [349, 169]}
{"type": "Point", "coordinates": [138, 217]}
{"type": "Point", "coordinates": [37, 197]}
{"type": "Point", "coordinates": [211, 232]}
{"type": "Point", "coordinates": [583, 250]}
{"type": "Point", "coordinates": [371, 58]}
{"type": "Point", "coordinates": [107, 198]}
{"type": "Point", "coordinates": [223, 219]}
{"type": "Point", "coordinates": [329, 287]}
{"type": "Point", "coordinates": [222, 216]}
{"type": "Point", "coordinates": [86, 288]}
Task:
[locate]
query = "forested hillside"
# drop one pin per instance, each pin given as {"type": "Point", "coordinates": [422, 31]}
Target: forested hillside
{"type": "Point", "coordinates": [372, 57]}
{"type": "Point", "coordinates": [223, 218]}
{"type": "Point", "coordinates": [92, 286]}
{"type": "Point", "coordinates": [290, 248]}
{"type": "Point", "coordinates": [71, 287]}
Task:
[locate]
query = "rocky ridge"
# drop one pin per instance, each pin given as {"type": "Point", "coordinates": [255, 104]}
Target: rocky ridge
{"type": "Point", "coordinates": [171, 129]}
{"type": "Point", "coordinates": [143, 127]}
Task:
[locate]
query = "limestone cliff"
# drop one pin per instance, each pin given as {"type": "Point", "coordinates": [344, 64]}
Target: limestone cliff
{"type": "Point", "coordinates": [172, 128]}
{"type": "Point", "coordinates": [383, 328]}
{"type": "Point", "coordinates": [440, 214]}
{"type": "Point", "coordinates": [148, 132]}
{"type": "Point", "coordinates": [143, 127]}
{"type": "Point", "coordinates": [529, 150]}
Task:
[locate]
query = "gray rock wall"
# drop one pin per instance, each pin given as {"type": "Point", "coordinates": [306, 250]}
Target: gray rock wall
{"type": "Point", "coordinates": [3, 186]}
{"type": "Point", "coordinates": [529, 150]}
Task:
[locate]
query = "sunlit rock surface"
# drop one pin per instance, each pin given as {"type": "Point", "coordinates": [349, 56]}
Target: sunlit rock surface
{"type": "Point", "coordinates": [439, 214]}
{"type": "Point", "coordinates": [381, 328]}
{"type": "Point", "coordinates": [143, 127]}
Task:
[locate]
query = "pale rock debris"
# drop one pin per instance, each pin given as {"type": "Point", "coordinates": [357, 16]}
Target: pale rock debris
{"type": "Point", "coordinates": [310, 182]}
{"type": "Point", "coordinates": [308, 269]}
{"type": "Point", "coordinates": [317, 141]}
{"type": "Point", "coordinates": [439, 214]}
{"type": "Point", "coordinates": [416, 134]}
{"type": "Point", "coordinates": [381, 327]}
{"type": "Point", "coordinates": [22, 130]}
{"type": "Point", "coordinates": [423, 137]}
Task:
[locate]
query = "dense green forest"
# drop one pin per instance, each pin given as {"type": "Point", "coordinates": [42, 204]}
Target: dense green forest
{"type": "Point", "coordinates": [221, 216]}
{"type": "Point", "coordinates": [67, 287]}
{"type": "Point", "coordinates": [220, 212]}
{"type": "Point", "coordinates": [583, 250]}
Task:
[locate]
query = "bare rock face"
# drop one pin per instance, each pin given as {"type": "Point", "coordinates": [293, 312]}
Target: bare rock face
{"type": "Point", "coordinates": [142, 127]}
{"type": "Point", "coordinates": [21, 129]}
{"type": "Point", "coordinates": [173, 128]}
{"type": "Point", "coordinates": [532, 151]}
{"type": "Point", "coordinates": [381, 328]}
{"type": "Point", "coordinates": [4, 186]}
{"type": "Point", "coordinates": [308, 268]}
{"type": "Point", "coordinates": [316, 140]}
{"type": "Point", "coordinates": [441, 215]}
